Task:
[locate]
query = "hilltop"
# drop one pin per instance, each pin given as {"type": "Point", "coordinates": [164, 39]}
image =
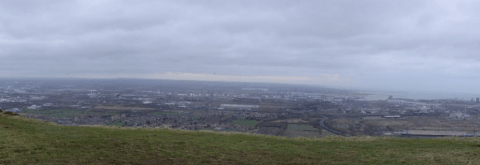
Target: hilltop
{"type": "Point", "coordinates": [29, 141]}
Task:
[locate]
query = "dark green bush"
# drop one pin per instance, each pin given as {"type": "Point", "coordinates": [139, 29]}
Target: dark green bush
{"type": "Point", "coordinates": [11, 113]}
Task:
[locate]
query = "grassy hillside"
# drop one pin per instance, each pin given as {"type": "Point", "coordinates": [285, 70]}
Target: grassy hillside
{"type": "Point", "coordinates": [25, 141]}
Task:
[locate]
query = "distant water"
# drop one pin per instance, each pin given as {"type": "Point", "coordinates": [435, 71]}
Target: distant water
{"type": "Point", "coordinates": [417, 95]}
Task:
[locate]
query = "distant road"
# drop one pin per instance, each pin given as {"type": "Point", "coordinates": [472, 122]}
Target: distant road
{"type": "Point", "coordinates": [322, 124]}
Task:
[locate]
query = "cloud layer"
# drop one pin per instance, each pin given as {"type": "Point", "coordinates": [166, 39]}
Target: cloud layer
{"type": "Point", "coordinates": [373, 44]}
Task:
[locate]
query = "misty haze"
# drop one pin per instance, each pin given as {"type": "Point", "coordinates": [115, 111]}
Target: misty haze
{"type": "Point", "coordinates": [392, 76]}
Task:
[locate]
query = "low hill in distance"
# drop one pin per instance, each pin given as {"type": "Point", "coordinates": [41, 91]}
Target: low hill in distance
{"type": "Point", "coordinates": [28, 141]}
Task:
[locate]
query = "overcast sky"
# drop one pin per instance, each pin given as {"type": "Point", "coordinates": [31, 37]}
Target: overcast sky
{"type": "Point", "coordinates": [371, 44]}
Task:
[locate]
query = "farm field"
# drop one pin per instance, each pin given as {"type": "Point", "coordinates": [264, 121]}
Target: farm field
{"type": "Point", "coordinates": [300, 121]}
{"type": "Point", "coordinates": [245, 122]}
{"type": "Point", "coordinates": [422, 123]}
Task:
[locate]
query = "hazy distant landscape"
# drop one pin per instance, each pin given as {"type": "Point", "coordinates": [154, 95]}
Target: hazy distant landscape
{"type": "Point", "coordinates": [259, 108]}
{"type": "Point", "coordinates": [421, 95]}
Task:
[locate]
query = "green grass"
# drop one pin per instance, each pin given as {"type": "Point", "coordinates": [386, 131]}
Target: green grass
{"type": "Point", "coordinates": [64, 112]}
{"type": "Point", "coordinates": [197, 116]}
{"type": "Point", "coordinates": [117, 123]}
{"type": "Point", "coordinates": [343, 126]}
{"type": "Point", "coordinates": [303, 130]}
{"type": "Point", "coordinates": [28, 141]}
{"type": "Point", "coordinates": [326, 133]}
{"type": "Point", "coordinates": [245, 122]}
{"type": "Point", "coordinates": [301, 127]}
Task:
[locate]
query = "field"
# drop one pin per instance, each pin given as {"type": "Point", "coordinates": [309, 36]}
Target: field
{"type": "Point", "coordinates": [326, 133]}
{"type": "Point", "coordinates": [245, 122]}
{"type": "Point", "coordinates": [117, 123]}
{"type": "Point", "coordinates": [29, 141]}
{"type": "Point", "coordinates": [426, 123]}
{"type": "Point", "coordinates": [296, 121]}
{"type": "Point", "coordinates": [197, 116]}
{"type": "Point", "coordinates": [64, 112]}
{"type": "Point", "coordinates": [303, 130]}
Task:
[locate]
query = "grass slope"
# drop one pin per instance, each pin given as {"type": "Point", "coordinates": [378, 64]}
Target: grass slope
{"type": "Point", "coordinates": [27, 141]}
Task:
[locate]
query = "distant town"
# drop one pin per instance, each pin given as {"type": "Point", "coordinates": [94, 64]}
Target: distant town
{"type": "Point", "coordinates": [260, 108]}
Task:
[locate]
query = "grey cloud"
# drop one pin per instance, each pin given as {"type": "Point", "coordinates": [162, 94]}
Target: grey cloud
{"type": "Point", "coordinates": [408, 39]}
